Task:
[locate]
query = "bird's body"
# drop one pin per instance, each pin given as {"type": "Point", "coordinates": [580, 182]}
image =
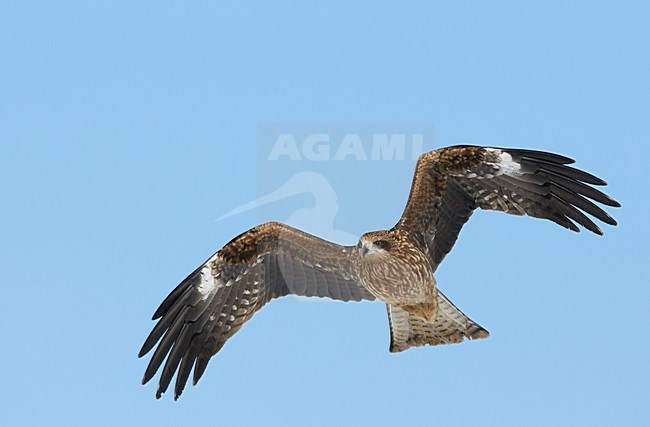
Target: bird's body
{"type": "Point", "coordinates": [397, 271]}
{"type": "Point", "coordinates": [395, 266]}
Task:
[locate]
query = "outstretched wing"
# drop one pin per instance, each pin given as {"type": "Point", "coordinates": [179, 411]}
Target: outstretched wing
{"type": "Point", "coordinates": [450, 183]}
{"type": "Point", "coordinates": [211, 304]}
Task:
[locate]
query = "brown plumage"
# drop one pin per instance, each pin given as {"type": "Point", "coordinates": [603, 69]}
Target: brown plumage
{"type": "Point", "coordinates": [395, 266]}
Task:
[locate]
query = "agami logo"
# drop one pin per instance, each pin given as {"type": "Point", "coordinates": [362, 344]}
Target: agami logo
{"type": "Point", "coordinates": [351, 146]}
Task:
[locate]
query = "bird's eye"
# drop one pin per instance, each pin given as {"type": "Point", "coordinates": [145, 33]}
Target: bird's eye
{"type": "Point", "coordinates": [382, 244]}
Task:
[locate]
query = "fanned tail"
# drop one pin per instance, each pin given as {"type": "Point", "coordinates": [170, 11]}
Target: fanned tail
{"type": "Point", "coordinates": [450, 326]}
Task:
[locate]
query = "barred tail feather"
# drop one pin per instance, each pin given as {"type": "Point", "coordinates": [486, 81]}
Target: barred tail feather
{"type": "Point", "coordinates": [450, 326]}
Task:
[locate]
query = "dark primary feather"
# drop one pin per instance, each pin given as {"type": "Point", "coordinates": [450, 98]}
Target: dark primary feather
{"type": "Point", "coordinates": [268, 261]}
{"type": "Point", "coordinates": [450, 183]}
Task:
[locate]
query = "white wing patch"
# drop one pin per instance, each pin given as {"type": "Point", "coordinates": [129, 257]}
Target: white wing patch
{"type": "Point", "coordinates": [208, 282]}
{"type": "Point", "coordinates": [506, 164]}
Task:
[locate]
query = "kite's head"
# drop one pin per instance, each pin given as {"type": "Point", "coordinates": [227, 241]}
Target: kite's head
{"type": "Point", "coordinates": [375, 243]}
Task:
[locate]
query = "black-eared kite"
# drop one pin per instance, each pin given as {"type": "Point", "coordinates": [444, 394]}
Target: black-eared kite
{"type": "Point", "coordinates": [395, 266]}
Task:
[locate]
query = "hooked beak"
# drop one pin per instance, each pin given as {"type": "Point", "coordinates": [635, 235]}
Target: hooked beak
{"type": "Point", "coordinates": [364, 250]}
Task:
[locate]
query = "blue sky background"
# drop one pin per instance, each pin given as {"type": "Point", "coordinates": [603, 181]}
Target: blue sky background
{"type": "Point", "coordinates": [126, 128]}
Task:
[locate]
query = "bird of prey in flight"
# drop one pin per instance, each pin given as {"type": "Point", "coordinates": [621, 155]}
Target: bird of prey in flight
{"type": "Point", "coordinates": [396, 266]}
